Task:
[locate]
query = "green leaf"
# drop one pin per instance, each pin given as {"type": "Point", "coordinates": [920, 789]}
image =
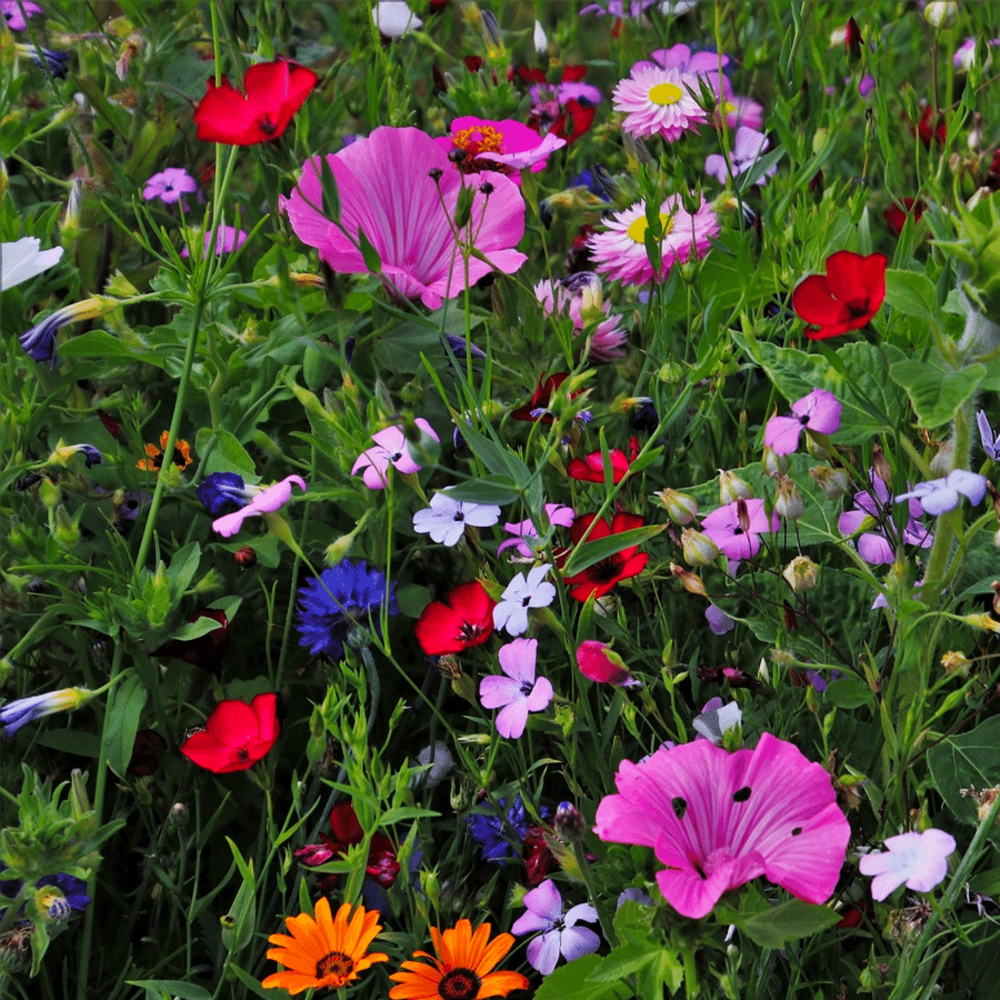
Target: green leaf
{"type": "Point", "coordinates": [123, 722]}
{"type": "Point", "coordinates": [786, 922]}
{"type": "Point", "coordinates": [195, 629]}
{"type": "Point", "coordinates": [936, 393]}
{"type": "Point", "coordinates": [499, 460]}
{"type": "Point", "coordinates": [623, 961]}
{"type": "Point", "coordinates": [100, 344]}
{"type": "Point", "coordinates": [488, 489]}
{"type": "Point", "coordinates": [593, 551]}
{"type": "Point", "coordinates": [173, 988]}
{"type": "Point", "coordinates": [226, 454]}
{"type": "Point", "coordinates": [849, 692]}
{"type": "Point", "coordinates": [913, 294]}
{"type": "Point", "coordinates": [71, 741]}
{"type": "Point", "coordinates": [967, 761]}
{"type": "Point", "coordinates": [254, 984]}
{"type": "Point", "coordinates": [570, 983]}
{"type": "Point", "coordinates": [371, 256]}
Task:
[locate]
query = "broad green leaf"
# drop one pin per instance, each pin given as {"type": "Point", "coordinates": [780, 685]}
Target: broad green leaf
{"type": "Point", "coordinates": [593, 551]}
{"type": "Point", "coordinates": [74, 741]}
{"type": "Point", "coordinates": [226, 454]}
{"type": "Point", "coordinates": [849, 692]}
{"type": "Point", "coordinates": [570, 982]}
{"type": "Point", "coordinates": [936, 393]}
{"type": "Point", "coordinates": [912, 293]}
{"type": "Point", "coordinates": [195, 629]}
{"type": "Point", "coordinates": [786, 922]}
{"type": "Point", "coordinates": [969, 760]}
{"type": "Point", "coordinates": [100, 344]}
{"type": "Point", "coordinates": [499, 460]}
{"type": "Point", "coordinates": [489, 489]}
{"type": "Point", "coordinates": [123, 722]}
{"type": "Point", "coordinates": [172, 988]}
{"type": "Point", "coordinates": [624, 961]}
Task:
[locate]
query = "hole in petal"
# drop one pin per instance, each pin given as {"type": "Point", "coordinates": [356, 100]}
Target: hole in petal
{"type": "Point", "coordinates": [797, 831]}
{"type": "Point", "coordinates": [680, 807]}
{"type": "Point", "coordinates": [742, 795]}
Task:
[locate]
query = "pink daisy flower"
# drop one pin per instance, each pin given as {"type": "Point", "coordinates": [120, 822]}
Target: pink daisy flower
{"type": "Point", "coordinates": [717, 820]}
{"type": "Point", "coordinates": [621, 251]}
{"type": "Point", "coordinates": [386, 190]}
{"type": "Point", "coordinates": [506, 146]}
{"type": "Point", "coordinates": [658, 102]}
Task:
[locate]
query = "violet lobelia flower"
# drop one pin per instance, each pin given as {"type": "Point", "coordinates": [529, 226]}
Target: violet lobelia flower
{"type": "Point", "coordinates": [938, 496]}
{"type": "Point", "coordinates": [560, 933]}
{"type": "Point", "coordinates": [989, 440]}
{"type": "Point", "coordinates": [399, 189]}
{"type": "Point", "coordinates": [877, 546]}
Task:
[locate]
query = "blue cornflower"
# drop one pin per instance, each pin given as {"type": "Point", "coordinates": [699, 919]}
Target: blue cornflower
{"type": "Point", "coordinates": [56, 62]}
{"type": "Point", "coordinates": [223, 493]}
{"type": "Point", "coordinates": [344, 598]}
{"type": "Point", "coordinates": [494, 830]}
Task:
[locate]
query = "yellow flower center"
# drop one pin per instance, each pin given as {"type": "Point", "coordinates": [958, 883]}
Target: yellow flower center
{"type": "Point", "coordinates": [637, 231]}
{"type": "Point", "coordinates": [665, 93]}
{"type": "Point", "coordinates": [727, 108]}
{"type": "Point", "coordinates": [479, 139]}
{"type": "Point", "coordinates": [337, 964]}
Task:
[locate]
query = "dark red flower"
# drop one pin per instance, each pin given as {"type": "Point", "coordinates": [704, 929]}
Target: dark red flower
{"type": "Point", "coordinates": [468, 621]}
{"type": "Point", "coordinates": [895, 215]}
{"type": "Point", "coordinates": [144, 760]}
{"type": "Point", "coordinates": [852, 40]}
{"type": "Point", "coordinates": [538, 408]}
{"type": "Point", "coordinates": [207, 650]}
{"type": "Point", "coordinates": [538, 858]}
{"type": "Point", "coordinates": [591, 468]}
{"type": "Point", "coordinates": [382, 864]}
{"type": "Point", "coordinates": [274, 92]}
{"type": "Point", "coordinates": [110, 425]}
{"type": "Point", "coordinates": [932, 127]}
{"type": "Point", "coordinates": [845, 298]}
{"type": "Point", "coordinates": [573, 121]}
{"type": "Point", "coordinates": [600, 578]}
{"type": "Point", "coordinates": [236, 735]}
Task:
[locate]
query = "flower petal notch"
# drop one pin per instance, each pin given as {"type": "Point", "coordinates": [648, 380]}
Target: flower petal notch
{"type": "Point", "coordinates": [398, 189]}
{"type": "Point", "coordinates": [843, 299]}
{"type": "Point", "coordinates": [274, 92]}
{"type": "Point", "coordinates": [717, 820]}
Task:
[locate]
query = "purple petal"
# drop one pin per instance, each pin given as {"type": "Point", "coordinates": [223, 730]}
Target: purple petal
{"type": "Point", "coordinates": [512, 719]}
{"type": "Point", "coordinates": [543, 952]}
{"type": "Point", "coordinates": [517, 659]}
{"type": "Point", "coordinates": [579, 941]}
{"type": "Point", "coordinates": [497, 691]}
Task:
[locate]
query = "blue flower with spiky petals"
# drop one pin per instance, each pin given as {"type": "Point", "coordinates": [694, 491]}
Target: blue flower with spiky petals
{"type": "Point", "coordinates": [495, 831]}
{"type": "Point", "coordinates": [342, 604]}
{"type": "Point", "coordinates": [223, 493]}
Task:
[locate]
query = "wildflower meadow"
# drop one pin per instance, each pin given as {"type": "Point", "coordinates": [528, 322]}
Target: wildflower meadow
{"type": "Point", "coordinates": [499, 500]}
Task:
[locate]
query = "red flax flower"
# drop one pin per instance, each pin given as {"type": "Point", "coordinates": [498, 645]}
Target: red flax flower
{"type": "Point", "coordinates": [895, 215]}
{"type": "Point", "coordinates": [382, 865]}
{"type": "Point", "coordinates": [591, 468]}
{"type": "Point", "coordinates": [845, 298]}
{"type": "Point", "coordinates": [236, 735]}
{"type": "Point", "coordinates": [466, 620]}
{"type": "Point", "coordinates": [274, 92]}
{"type": "Point", "coordinates": [600, 578]}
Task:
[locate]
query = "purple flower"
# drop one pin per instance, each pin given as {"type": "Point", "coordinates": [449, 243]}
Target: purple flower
{"type": "Point", "coordinates": [57, 63]}
{"type": "Point", "coordinates": [445, 519]}
{"type": "Point", "coordinates": [519, 692]}
{"type": "Point", "coordinates": [938, 496]}
{"type": "Point", "coordinates": [735, 531]}
{"type": "Point", "coordinates": [223, 492]}
{"type": "Point", "coordinates": [718, 621]}
{"type": "Point", "coordinates": [499, 833]}
{"type": "Point", "coordinates": [818, 412]}
{"type": "Point", "coordinates": [10, 10]}
{"type": "Point", "coordinates": [560, 933]}
{"type": "Point", "coordinates": [618, 8]}
{"type": "Point", "coordinates": [524, 532]}
{"type": "Point", "coordinates": [15, 714]}
{"type": "Point", "coordinates": [748, 146]}
{"type": "Point", "coordinates": [392, 449]}
{"type": "Point", "coordinates": [716, 720]}
{"type": "Point", "coordinates": [168, 185]}
{"type": "Point", "coordinates": [918, 859]}
{"type": "Point", "coordinates": [227, 239]}
{"type": "Point", "coordinates": [989, 440]}
{"type": "Point", "coordinates": [877, 546]}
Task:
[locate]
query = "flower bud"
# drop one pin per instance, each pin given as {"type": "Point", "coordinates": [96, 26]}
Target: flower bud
{"type": "Point", "coordinates": [943, 461]}
{"type": "Point", "coordinates": [599, 662]}
{"type": "Point", "coordinates": [852, 40]}
{"type": "Point", "coordinates": [833, 482]}
{"type": "Point", "coordinates": [569, 823]}
{"type": "Point", "coordinates": [881, 466]}
{"type": "Point", "coordinates": [691, 583]}
{"type": "Point", "coordinates": [954, 662]}
{"type": "Point", "coordinates": [984, 622]}
{"type": "Point", "coordinates": [801, 574]}
{"type": "Point", "coordinates": [941, 14]}
{"type": "Point", "coordinates": [789, 503]}
{"type": "Point", "coordinates": [774, 465]}
{"type": "Point", "coordinates": [681, 509]}
{"type": "Point", "coordinates": [699, 549]}
{"type": "Point", "coordinates": [732, 488]}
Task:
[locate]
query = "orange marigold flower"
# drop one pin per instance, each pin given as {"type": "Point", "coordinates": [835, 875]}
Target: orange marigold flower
{"type": "Point", "coordinates": [462, 968]}
{"type": "Point", "coordinates": [181, 457]}
{"type": "Point", "coordinates": [327, 952]}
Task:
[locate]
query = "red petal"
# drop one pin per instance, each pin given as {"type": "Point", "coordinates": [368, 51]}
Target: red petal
{"type": "Point", "coordinates": [265, 707]}
{"type": "Point", "coordinates": [571, 74]}
{"type": "Point", "coordinates": [225, 115]}
{"type": "Point", "coordinates": [232, 723]}
{"type": "Point", "coordinates": [813, 301]}
{"type": "Point", "coordinates": [471, 602]}
{"type": "Point", "coordinates": [208, 752]}
{"type": "Point", "coordinates": [580, 525]}
{"type": "Point", "coordinates": [439, 630]}
{"type": "Point", "coordinates": [344, 824]}
{"type": "Point", "coordinates": [626, 522]}
{"type": "Point", "coordinates": [857, 281]}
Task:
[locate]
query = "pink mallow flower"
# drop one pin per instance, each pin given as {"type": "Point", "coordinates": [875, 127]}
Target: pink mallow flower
{"type": "Point", "coordinates": [505, 146]}
{"type": "Point", "coordinates": [581, 296]}
{"type": "Point", "coordinates": [560, 935]}
{"type": "Point", "coordinates": [393, 449]}
{"type": "Point", "coordinates": [520, 692]}
{"type": "Point", "coordinates": [716, 820]}
{"type": "Point", "coordinates": [736, 528]}
{"type": "Point", "coordinates": [398, 187]}
{"type": "Point", "coordinates": [267, 501]}
{"type": "Point", "coordinates": [819, 412]}
{"type": "Point", "coordinates": [918, 859]}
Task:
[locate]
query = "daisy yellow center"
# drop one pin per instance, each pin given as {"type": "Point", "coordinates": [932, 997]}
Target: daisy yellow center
{"type": "Point", "coordinates": [336, 963]}
{"type": "Point", "coordinates": [637, 231]}
{"type": "Point", "coordinates": [729, 109]}
{"type": "Point", "coordinates": [665, 94]}
{"type": "Point", "coordinates": [459, 984]}
{"type": "Point", "coordinates": [481, 139]}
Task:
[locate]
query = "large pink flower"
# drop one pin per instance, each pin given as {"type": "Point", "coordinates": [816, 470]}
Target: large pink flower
{"type": "Point", "coordinates": [506, 146]}
{"type": "Point", "coordinates": [385, 190]}
{"type": "Point", "coordinates": [718, 819]}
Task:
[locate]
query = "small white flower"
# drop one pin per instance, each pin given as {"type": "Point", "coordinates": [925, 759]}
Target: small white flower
{"type": "Point", "coordinates": [445, 519]}
{"type": "Point", "coordinates": [717, 719]}
{"type": "Point", "coordinates": [22, 260]}
{"type": "Point", "coordinates": [394, 18]}
{"type": "Point", "coordinates": [918, 859]}
{"type": "Point", "coordinates": [541, 42]}
{"type": "Point", "coordinates": [522, 593]}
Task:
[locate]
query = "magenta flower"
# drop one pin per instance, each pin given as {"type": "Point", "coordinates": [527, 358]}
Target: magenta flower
{"type": "Point", "coordinates": [226, 241]}
{"type": "Point", "coordinates": [918, 859]}
{"type": "Point", "coordinates": [717, 820]}
{"type": "Point", "coordinates": [265, 502]}
{"type": "Point", "coordinates": [519, 692]}
{"type": "Point", "coordinates": [581, 295]}
{"type": "Point", "coordinates": [525, 532]}
{"type": "Point", "coordinates": [560, 934]}
{"type": "Point", "coordinates": [505, 146]}
{"type": "Point", "coordinates": [400, 189]}
{"type": "Point", "coordinates": [168, 185]}
{"type": "Point", "coordinates": [738, 537]}
{"type": "Point", "coordinates": [819, 412]}
{"type": "Point", "coordinates": [10, 10]}
{"type": "Point", "coordinates": [393, 449]}
{"type": "Point", "coordinates": [878, 546]}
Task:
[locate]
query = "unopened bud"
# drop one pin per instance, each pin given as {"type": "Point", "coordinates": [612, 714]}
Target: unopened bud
{"type": "Point", "coordinates": [731, 488]}
{"type": "Point", "coordinates": [852, 40]}
{"type": "Point", "coordinates": [801, 574]}
{"type": "Point", "coordinates": [698, 548]}
{"type": "Point", "coordinates": [881, 465]}
{"type": "Point", "coordinates": [691, 583]}
{"type": "Point", "coordinates": [943, 461]}
{"type": "Point", "coordinates": [774, 465]}
{"type": "Point", "coordinates": [941, 13]}
{"type": "Point", "coordinates": [955, 662]}
{"type": "Point", "coordinates": [789, 503]}
{"type": "Point", "coordinates": [569, 823]}
{"type": "Point", "coordinates": [833, 482]}
{"type": "Point", "coordinates": [743, 516]}
{"type": "Point", "coordinates": [680, 508]}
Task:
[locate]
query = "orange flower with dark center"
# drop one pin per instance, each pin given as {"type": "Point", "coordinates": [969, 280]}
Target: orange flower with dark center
{"type": "Point", "coordinates": [462, 967]}
{"type": "Point", "coordinates": [325, 953]}
{"type": "Point", "coordinates": [181, 456]}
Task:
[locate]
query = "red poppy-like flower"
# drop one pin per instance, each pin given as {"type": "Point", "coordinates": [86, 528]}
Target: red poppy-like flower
{"type": "Point", "coordinates": [236, 735]}
{"type": "Point", "coordinates": [274, 92]}
{"type": "Point", "coordinates": [845, 298]}
{"type": "Point", "coordinates": [468, 621]}
{"type": "Point", "coordinates": [895, 215]}
{"type": "Point", "coordinates": [382, 864]}
{"type": "Point", "coordinates": [600, 578]}
{"type": "Point", "coordinates": [591, 468]}
{"type": "Point", "coordinates": [538, 408]}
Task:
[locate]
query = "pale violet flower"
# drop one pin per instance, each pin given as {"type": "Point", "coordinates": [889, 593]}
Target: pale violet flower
{"type": "Point", "coordinates": [819, 412]}
{"type": "Point", "coordinates": [511, 614]}
{"type": "Point", "coordinates": [265, 502]}
{"type": "Point", "coordinates": [442, 763]}
{"type": "Point", "coordinates": [748, 147]}
{"type": "Point", "coordinates": [918, 859]}
{"type": "Point", "coordinates": [169, 185]}
{"type": "Point", "coordinates": [717, 719]}
{"type": "Point", "coordinates": [392, 449]}
{"type": "Point", "coordinates": [445, 519]}
{"type": "Point", "coordinates": [989, 440]}
{"type": "Point", "coordinates": [15, 714]}
{"type": "Point", "coordinates": [520, 692]}
{"type": "Point", "coordinates": [22, 260]}
{"type": "Point", "coordinates": [937, 496]}
{"type": "Point", "coordinates": [560, 933]}
{"type": "Point", "coordinates": [394, 18]}
{"type": "Point", "coordinates": [525, 534]}
{"type": "Point", "coordinates": [718, 621]}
